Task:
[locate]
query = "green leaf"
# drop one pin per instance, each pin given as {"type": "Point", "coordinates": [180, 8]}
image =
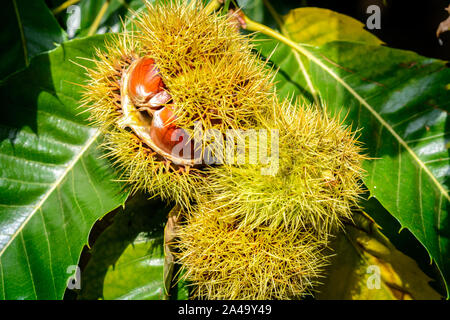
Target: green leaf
{"type": "Point", "coordinates": [316, 26]}
{"type": "Point", "coordinates": [127, 260]}
{"type": "Point", "coordinates": [257, 11]}
{"type": "Point", "coordinates": [117, 11]}
{"type": "Point", "coordinates": [142, 258]}
{"type": "Point", "coordinates": [53, 184]}
{"type": "Point", "coordinates": [312, 27]}
{"type": "Point", "coordinates": [30, 29]}
{"type": "Point", "coordinates": [373, 268]}
{"type": "Point", "coordinates": [401, 103]}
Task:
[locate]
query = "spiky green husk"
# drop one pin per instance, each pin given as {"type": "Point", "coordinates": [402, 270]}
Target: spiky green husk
{"type": "Point", "coordinates": [224, 262]}
{"type": "Point", "coordinates": [145, 170]}
{"type": "Point", "coordinates": [264, 236]}
{"type": "Point", "coordinates": [317, 184]}
{"type": "Point", "coordinates": [208, 69]}
{"type": "Point", "coordinates": [101, 95]}
{"type": "Point", "coordinates": [139, 165]}
{"type": "Point", "coordinates": [207, 65]}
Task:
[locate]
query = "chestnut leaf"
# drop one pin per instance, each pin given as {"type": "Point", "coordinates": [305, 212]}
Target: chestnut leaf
{"type": "Point", "coordinates": [400, 102]}
{"type": "Point", "coordinates": [54, 181]}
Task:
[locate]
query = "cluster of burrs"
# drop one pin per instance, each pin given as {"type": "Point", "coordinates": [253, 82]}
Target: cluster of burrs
{"type": "Point", "coordinates": [245, 233]}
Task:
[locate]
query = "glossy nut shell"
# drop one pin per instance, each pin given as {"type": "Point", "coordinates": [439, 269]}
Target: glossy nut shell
{"type": "Point", "coordinates": [144, 82]}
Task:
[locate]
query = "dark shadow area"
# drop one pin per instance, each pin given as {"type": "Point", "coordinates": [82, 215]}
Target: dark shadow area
{"type": "Point", "coordinates": [404, 25]}
{"type": "Point", "coordinates": [111, 235]}
{"type": "Point", "coordinates": [12, 55]}
{"type": "Point", "coordinates": [19, 94]}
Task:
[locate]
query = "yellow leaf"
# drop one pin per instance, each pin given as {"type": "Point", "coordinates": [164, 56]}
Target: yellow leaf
{"type": "Point", "coordinates": [367, 266]}
{"type": "Point", "coordinates": [318, 26]}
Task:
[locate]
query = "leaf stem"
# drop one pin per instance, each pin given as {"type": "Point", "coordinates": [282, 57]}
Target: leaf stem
{"type": "Point", "coordinates": [98, 18]}
{"type": "Point", "coordinates": [283, 30]}
{"type": "Point", "coordinates": [213, 5]}
{"type": "Point", "coordinates": [64, 6]}
{"type": "Point", "coordinates": [22, 34]}
{"type": "Point", "coordinates": [255, 26]}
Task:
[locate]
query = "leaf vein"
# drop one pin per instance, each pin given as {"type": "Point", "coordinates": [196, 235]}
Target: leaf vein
{"type": "Point", "coordinates": [28, 264]}
{"type": "Point", "coordinates": [49, 251]}
{"type": "Point", "coordinates": [89, 142]}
